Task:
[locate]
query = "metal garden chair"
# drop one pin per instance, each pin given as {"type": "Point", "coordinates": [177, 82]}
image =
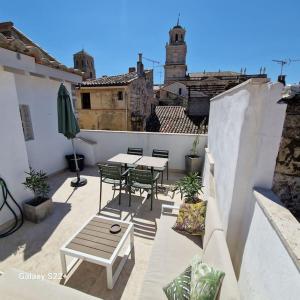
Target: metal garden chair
{"type": "Point", "coordinates": [142, 179]}
{"type": "Point", "coordinates": [163, 154]}
{"type": "Point", "coordinates": [111, 174]}
{"type": "Point", "coordinates": [135, 151]}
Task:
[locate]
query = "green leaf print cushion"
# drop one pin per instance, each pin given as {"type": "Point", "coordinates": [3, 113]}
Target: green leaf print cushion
{"type": "Point", "coordinates": [179, 288]}
{"type": "Point", "coordinates": [205, 281]}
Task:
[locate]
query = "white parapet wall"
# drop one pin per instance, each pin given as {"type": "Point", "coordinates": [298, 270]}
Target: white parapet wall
{"type": "Point", "coordinates": [271, 260]}
{"type": "Point", "coordinates": [109, 143]}
{"type": "Point", "coordinates": [245, 127]}
{"type": "Point", "coordinates": [244, 135]}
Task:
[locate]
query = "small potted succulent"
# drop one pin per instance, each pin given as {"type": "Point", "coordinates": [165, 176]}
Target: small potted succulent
{"type": "Point", "coordinates": [41, 205]}
{"type": "Point", "coordinates": [190, 188]}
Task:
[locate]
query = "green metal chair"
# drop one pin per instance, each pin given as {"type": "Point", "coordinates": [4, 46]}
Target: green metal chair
{"type": "Point", "coordinates": [135, 151]}
{"type": "Point", "coordinates": [142, 179]}
{"type": "Point", "coordinates": [163, 154]}
{"type": "Point", "coordinates": [111, 174]}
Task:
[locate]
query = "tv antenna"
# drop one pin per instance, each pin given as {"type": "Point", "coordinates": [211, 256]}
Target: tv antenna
{"type": "Point", "coordinates": [155, 64]}
{"type": "Point", "coordinates": [153, 61]}
{"type": "Point", "coordinates": [284, 62]}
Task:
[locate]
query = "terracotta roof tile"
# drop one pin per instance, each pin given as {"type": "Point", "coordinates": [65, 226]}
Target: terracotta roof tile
{"type": "Point", "coordinates": [13, 39]}
{"type": "Point", "coordinates": [173, 119]}
{"type": "Point", "coordinates": [122, 79]}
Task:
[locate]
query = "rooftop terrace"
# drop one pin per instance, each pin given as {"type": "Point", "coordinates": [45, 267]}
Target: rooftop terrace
{"type": "Point", "coordinates": [35, 247]}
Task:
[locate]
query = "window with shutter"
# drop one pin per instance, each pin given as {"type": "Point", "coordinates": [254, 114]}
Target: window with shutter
{"type": "Point", "coordinates": [26, 122]}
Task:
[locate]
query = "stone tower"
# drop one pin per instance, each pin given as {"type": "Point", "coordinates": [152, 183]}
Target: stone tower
{"type": "Point", "coordinates": [175, 67]}
{"type": "Point", "coordinates": [85, 62]}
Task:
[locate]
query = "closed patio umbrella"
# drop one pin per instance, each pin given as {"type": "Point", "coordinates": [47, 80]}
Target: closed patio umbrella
{"type": "Point", "coordinates": [68, 126]}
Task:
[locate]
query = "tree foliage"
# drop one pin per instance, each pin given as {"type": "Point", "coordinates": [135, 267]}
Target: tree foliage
{"type": "Point", "coordinates": [36, 181]}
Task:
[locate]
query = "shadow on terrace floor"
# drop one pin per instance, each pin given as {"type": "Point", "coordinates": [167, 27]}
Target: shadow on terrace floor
{"type": "Point", "coordinates": [31, 237]}
{"type": "Point", "coordinates": [90, 278]}
{"type": "Point", "coordinates": [35, 247]}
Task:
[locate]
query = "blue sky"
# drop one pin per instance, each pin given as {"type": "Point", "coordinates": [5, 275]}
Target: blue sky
{"type": "Point", "coordinates": [224, 35]}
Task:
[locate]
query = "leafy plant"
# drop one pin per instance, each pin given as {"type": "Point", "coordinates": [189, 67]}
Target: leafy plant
{"type": "Point", "coordinates": [190, 186]}
{"type": "Point", "coordinates": [36, 181]}
{"type": "Point", "coordinates": [196, 141]}
{"type": "Point", "coordinates": [194, 146]}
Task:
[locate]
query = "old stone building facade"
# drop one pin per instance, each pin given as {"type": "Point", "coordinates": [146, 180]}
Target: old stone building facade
{"type": "Point", "coordinates": [85, 63]}
{"type": "Point", "coordinates": [286, 182]}
{"type": "Point", "coordinates": [121, 102]}
{"type": "Point", "coordinates": [199, 87]}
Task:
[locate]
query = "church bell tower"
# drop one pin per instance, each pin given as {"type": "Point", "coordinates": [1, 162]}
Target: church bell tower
{"type": "Point", "coordinates": [175, 66]}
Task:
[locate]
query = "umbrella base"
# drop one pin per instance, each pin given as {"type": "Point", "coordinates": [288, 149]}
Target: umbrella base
{"type": "Point", "coordinates": [77, 183]}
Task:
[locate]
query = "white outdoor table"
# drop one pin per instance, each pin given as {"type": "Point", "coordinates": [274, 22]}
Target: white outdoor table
{"type": "Point", "coordinates": [94, 243]}
{"type": "Point", "coordinates": [123, 158]}
{"type": "Point", "coordinates": [152, 162]}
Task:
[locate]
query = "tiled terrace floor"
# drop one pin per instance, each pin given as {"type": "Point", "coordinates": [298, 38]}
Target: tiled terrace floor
{"type": "Point", "coordinates": [35, 247]}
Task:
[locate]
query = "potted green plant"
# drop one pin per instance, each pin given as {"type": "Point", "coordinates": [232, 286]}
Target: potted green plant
{"type": "Point", "coordinates": [190, 187]}
{"type": "Point", "coordinates": [193, 161]}
{"type": "Point", "coordinates": [41, 205]}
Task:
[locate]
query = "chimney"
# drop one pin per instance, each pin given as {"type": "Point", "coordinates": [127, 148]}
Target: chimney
{"type": "Point", "coordinates": [281, 78]}
{"type": "Point", "coordinates": [131, 69]}
{"type": "Point", "coordinates": [140, 66]}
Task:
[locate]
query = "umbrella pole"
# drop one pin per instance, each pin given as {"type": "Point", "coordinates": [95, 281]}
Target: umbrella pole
{"type": "Point", "coordinates": [79, 181]}
{"type": "Point", "coordinates": [76, 164]}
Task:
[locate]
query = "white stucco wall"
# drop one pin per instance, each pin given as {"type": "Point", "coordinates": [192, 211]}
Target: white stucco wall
{"type": "Point", "coordinates": [36, 87]}
{"type": "Point", "coordinates": [110, 143]}
{"type": "Point", "coordinates": [174, 88]}
{"type": "Point", "coordinates": [13, 154]}
{"type": "Point", "coordinates": [267, 270]}
{"type": "Point", "coordinates": [244, 134]}
{"type": "Point", "coordinates": [47, 150]}
{"type": "Point", "coordinates": [22, 81]}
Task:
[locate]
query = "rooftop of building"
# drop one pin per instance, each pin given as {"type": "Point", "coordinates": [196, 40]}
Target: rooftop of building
{"type": "Point", "coordinates": [115, 80]}
{"type": "Point", "coordinates": [214, 83]}
{"type": "Point", "coordinates": [13, 39]}
{"type": "Point", "coordinates": [214, 74]}
{"type": "Point", "coordinates": [174, 119]}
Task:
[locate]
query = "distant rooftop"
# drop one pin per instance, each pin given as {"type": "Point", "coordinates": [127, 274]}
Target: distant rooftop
{"type": "Point", "coordinates": [214, 74]}
{"type": "Point", "coordinates": [172, 119]}
{"type": "Point", "coordinates": [123, 79]}
{"type": "Point", "coordinates": [13, 39]}
{"type": "Point", "coordinates": [215, 83]}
